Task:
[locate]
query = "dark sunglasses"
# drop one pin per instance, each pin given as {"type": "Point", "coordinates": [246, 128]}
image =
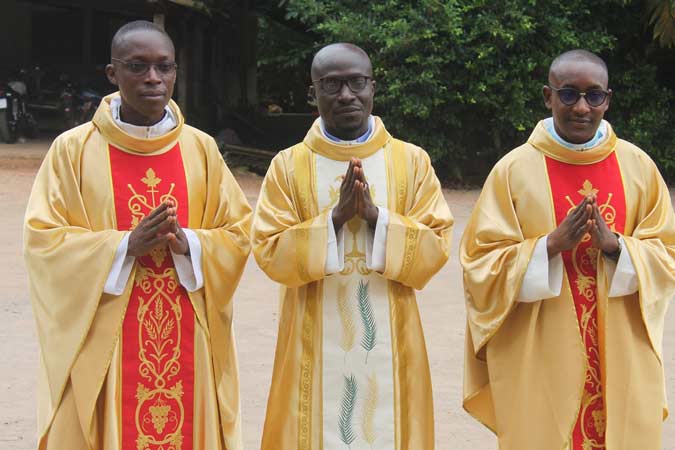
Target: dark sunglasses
{"type": "Point", "coordinates": [333, 85]}
{"type": "Point", "coordinates": [570, 96]}
{"type": "Point", "coordinates": [141, 68]}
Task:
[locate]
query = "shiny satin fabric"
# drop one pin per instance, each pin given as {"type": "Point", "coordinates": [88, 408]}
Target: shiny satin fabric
{"type": "Point", "coordinates": [289, 239]}
{"type": "Point", "coordinates": [524, 362]}
{"type": "Point", "coordinates": [70, 239]}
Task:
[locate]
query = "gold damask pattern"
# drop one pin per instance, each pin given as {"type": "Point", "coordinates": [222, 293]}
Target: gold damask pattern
{"type": "Point", "coordinates": [160, 413]}
{"type": "Point", "coordinates": [590, 429]}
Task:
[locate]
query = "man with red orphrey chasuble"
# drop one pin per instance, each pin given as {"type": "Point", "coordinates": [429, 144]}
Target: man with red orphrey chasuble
{"type": "Point", "coordinates": [568, 270]}
{"type": "Point", "coordinates": [134, 312]}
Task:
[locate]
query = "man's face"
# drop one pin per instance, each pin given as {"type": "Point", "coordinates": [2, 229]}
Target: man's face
{"type": "Point", "coordinates": [345, 113]}
{"type": "Point", "coordinates": [144, 95]}
{"type": "Point", "coordinates": [576, 123]}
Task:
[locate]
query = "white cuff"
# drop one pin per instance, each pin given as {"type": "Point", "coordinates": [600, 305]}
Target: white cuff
{"type": "Point", "coordinates": [544, 276]}
{"type": "Point", "coordinates": [376, 242]}
{"type": "Point", "coordinates": [120, 269]}
{"type": "Point", "coordinates": [189, 268]}
{"type": "Point", "coordinates": [335, 250]}
{"type": "Point", "coordinates": [622, 275]}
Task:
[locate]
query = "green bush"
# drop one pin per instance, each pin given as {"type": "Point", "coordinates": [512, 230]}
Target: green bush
{"type": "Point", "coordinates": [463, 78]}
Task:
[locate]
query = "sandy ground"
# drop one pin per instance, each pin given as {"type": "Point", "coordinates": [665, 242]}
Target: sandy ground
{"type": "Point", "coordinates": [441, 305]}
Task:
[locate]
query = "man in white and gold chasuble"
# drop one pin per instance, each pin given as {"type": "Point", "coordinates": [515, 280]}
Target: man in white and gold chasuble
{"type": "Point", "coordinates": [349, 222]}
{"type": "Point", "coordinates": [134, 313]}
{"type": "Point", "coordinates": [568, 271]}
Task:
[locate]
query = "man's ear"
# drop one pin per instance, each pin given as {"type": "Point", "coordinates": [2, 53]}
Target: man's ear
{"type": "Point", "coordinates": [373, 83]}
{"type": "Point", "coordinates": [110, 73]}
{"type": "Point", "coordinates": [311, 95]}
{"type": "Point", "coordinates": [547, 91]}
{"type": "Point", "coordinates": [609, 96]}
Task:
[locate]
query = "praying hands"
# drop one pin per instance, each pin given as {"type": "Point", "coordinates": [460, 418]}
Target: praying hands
{"type": "Point", "coordinates": [355, 198]}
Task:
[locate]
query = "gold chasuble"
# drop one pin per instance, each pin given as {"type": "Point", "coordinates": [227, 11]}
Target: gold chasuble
{"type": "Point", "coordinates": [580, 371]}
{"type": "Point", "coordinates": [351, 369]}
{"type": "Point", "coordinates": [155, 367]}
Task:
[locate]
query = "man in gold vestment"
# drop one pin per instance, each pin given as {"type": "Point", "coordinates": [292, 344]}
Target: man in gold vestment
{"type": "Point", "coordinates": [350, 221]}
{"type": "Point", "coordinates": [134, 312]}
{"type": "Point", "coordinates": [568, 270]}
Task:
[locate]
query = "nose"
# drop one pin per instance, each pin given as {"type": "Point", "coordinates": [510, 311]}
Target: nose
{"type": "Point", "coordinates": [345, 94]}
{"type": "Point", "coordinates": [582, 106]}
{"type": "Point", "coordinates": [153, 75]}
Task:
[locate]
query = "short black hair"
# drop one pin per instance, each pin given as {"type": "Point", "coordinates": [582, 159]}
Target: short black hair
{"type": "Point", "coordinates": [136, 25]}
{"type": "Point", "coordinates": [577, 55]}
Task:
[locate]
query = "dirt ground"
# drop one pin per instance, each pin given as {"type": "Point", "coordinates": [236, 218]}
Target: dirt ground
{"type": "Point", "coordinates": [256, 320]}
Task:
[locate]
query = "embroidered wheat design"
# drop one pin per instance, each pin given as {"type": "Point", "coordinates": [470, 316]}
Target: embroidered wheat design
{"type": "Point", "coordinates": [347, 411]}
{"type": "Point", "coordinates": [369, 407]}
{"type": "Point", "coordinates": [346, 319]}
{"type": "Point", "coordinates": [368, 340]}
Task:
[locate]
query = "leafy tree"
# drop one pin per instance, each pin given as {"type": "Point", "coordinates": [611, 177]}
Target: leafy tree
{"type": "Point", "coordinates": [463, 78]}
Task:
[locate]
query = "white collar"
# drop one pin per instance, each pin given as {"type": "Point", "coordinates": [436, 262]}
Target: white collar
{"type": "Point", "coordinates": [162, 127]}
{"type": "Point", "coordinates": [359, 140]}
{"type": "Point", "coordinates": [599, 137]}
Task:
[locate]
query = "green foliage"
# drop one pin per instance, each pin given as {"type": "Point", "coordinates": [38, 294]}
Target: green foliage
{"type": "Point", "coordinates": [643, 110]}
{"type": "Point", "coordinates": [662, 17]}
{"type": "Point", "coordinates": [463, 78]}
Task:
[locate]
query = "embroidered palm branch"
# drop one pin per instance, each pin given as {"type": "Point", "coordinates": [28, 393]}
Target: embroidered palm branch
{"type": "Point", "coordinates": [369, 338]}
{"type": "Point", "coordinates": [347, 411]}
{"type": "Point", "coordinates": [369, 407]}
{"type": "Point", "coordinates": [346, 319]}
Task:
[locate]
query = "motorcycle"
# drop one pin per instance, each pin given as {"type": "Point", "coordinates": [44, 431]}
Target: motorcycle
{"type": "Point", "coordinates": [15, 119]}
{"type": "Point", "coordinates": [89, 101]}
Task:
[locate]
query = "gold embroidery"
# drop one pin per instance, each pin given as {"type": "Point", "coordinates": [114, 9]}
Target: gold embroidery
{"type": "Point", "coordinates": [160, 412]}
{"type": "Point", "coordinates": [346, 314]}
{"type": "Point", "coordinates": [411, 237]}
{"type": "Point", "coordinates": [355, 260]}
{"type": "Point", "coordinates": [369, 408]}
{"type": "Point", "coordinates": [584, 258]}
{"type": "Point", "coordinates": [139, 205]}
{"type": "Point", "coordinates": [304, 180]}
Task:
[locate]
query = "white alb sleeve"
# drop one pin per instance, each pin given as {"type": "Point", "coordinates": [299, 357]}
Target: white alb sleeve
{"type": "Point", "coordinates": [120, 269]}
{"type": "Point", "coordinates": [189, 268]}
{"type": "Point", "coordinates": [376, 242]}
{"type": "Point", "coordinates": [624, 280]}
{"type": "Point", "coordinates": [544, 276]}
{"type": "Point", "coordinates": [335, 249]}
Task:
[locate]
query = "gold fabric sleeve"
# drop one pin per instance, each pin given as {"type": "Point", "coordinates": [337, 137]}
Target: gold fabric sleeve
{"type": "Point", "coordinates": [289, 248]}
{"type": "Point", "coordinates": [494, 254]}
{"type": "Point", "coordinates": [420, 222]}
{"type": "Point", "coordinates": [67, 261]}
{"type": "Point", "coordinates": [651, 244]}
{"type": "Point", "coordinates": [221, 218]}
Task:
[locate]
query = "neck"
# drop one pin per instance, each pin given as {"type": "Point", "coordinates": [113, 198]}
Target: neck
{"type": "Point", "coordinates": [572, 141]}
{"type": "Point", "coordinates": [133, 117]}
{"type": "Point", "coordinates": [348, 135]}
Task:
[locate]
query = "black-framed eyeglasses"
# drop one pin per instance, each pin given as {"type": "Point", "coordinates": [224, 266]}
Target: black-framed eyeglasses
{"type": "Point", "coordinates": [141, 68]}
{"type": "Point", "coordinates": [333, 85]}
{"type": "Point", "coordinates": [570, 96]}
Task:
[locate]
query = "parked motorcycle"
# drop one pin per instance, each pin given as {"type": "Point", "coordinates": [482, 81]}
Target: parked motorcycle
{"type": "Point", "coordinates": [15, 119]}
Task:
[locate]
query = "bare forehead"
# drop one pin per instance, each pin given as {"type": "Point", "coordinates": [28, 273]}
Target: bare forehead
{"type": "Point", "coordinates": [143, 44]}
{"type": "Point", "coordinates": [579, 72]}
{"type": "Point", "coordinates": [340, 60]}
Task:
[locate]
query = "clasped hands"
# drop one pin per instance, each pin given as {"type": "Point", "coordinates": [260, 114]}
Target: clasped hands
{"type": "Point", "coordinates": [585, 218]}
{"type": "Point", "coordinates": [355, 199]}
{"type": "Point", "coordinates": [158, 229]}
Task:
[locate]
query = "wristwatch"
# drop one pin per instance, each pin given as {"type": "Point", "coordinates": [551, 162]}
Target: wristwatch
{"type": "Point", "coordinates": [616, 253]}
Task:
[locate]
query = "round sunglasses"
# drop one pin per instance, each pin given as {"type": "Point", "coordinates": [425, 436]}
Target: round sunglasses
{"type": "Point", "coordinates": [570, 96]}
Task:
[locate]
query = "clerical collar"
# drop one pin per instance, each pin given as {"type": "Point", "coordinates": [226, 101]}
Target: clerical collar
{"type": "Point", "coordinates": [359, 140]}
{"type": "Point", "coordinates": [600, 135]}
{"type": "Point", "coordinates": [162, 127]}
